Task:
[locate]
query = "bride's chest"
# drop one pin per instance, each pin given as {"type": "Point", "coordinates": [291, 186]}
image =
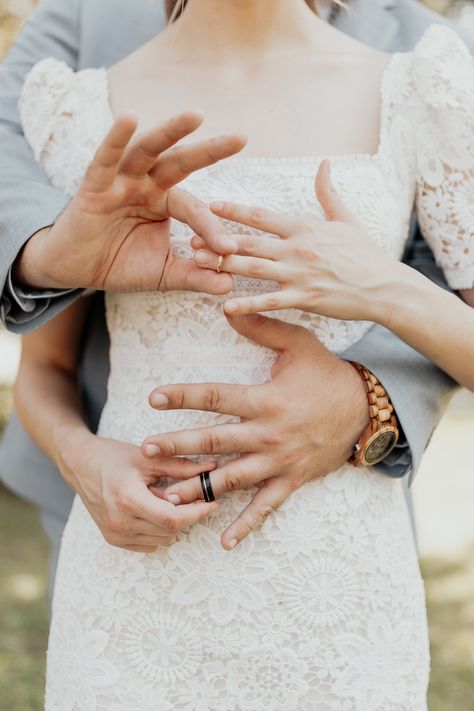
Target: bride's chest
{"type": "Point", "coordinates": [378, 192]}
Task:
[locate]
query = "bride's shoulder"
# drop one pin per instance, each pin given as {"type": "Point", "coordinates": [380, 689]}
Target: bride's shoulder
{"type": "Point", "coordinates": [63, 112]}
{"type": "Point", "coordinates": [51, 81]}
{"type": "Point", "coordinates": [442, 68]}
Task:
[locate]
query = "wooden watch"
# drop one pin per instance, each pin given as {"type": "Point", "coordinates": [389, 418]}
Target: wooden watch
{"type": "Point", "coordinates": [381, 434]}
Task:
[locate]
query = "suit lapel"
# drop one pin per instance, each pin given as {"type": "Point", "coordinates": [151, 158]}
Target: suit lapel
{"type": "Point", "coordinates": [372, 22]}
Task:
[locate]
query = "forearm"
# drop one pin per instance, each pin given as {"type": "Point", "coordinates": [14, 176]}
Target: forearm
{"type": "Point", "coordinates": [48, 405]}
{"type": "Point", "coordinates": [28, 202]}
{"type": "Point", "coordinates": [431, 320]}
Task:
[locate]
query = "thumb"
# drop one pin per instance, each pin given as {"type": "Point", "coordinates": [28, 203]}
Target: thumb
{"type": "Point", "coordinates": [269, 332]}
{"type": "Point", "coordinates": [334, 208]}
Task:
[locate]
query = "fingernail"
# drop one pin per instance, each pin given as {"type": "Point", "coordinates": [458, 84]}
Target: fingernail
{"type": "Point", "coordinates": [233, 542]}
{"type": "Point", "coordinates": [152, 450]}
{"type": "Point", "coordinates": [158, 400]}
{"type": "Point", "coordinates": [203, 258]}
{"type": "Point", "coordinates": [231, 307]}
{"type": "Point", "coordinates": [217, 205]}
{"type": "Point", "coordinates": [175, 499]}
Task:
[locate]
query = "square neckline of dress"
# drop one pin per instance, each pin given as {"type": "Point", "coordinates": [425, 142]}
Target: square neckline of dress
{"type": "Point", "coordinates": [303, 159]}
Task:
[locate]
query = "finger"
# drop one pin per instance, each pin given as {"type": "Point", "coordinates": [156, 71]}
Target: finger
{"type": "Point", "coordinates": [270, 332]}
{"type": "Point", "coordinates": [239, 474]}
{"type": "Point", "coordinates": [104, 167]}
{"type": "Point", "coordinates": [239, 400]}
{"type": "Point", "coordinates": [139, 549]}
{"type": "Point", "coordinates": [267, 499]}
{"type": "Point", "coordinates": [153, 541]}
{"type": "Point", "coordinates": [198, 243]}
{"type": "Point", "coordinates": [175, 165]}
{"type": "Point", "coordinates": [334, 208]}
{"type": "Point", "coordinates": [181, 468]}
{"type": "Point", "coordinates": [142, 155]}
{"type": "Point", "coordinates": [167, 517]}
{"type": "Point", "coordinates": [142, 527]}
{"type": "Point", "coordinates": [273, 301]}
{"type": "Point", "coordinates": [253, 267]}
{"type": "Point", "coordinates": [186, 208]}
{"type": "Point", "coordinates": [220, 439]}
{"type": "Point", "coordinates": [185, 275]}
{"type": "Point", "coordinates": [266, 220]}
{"type": "Point", "coordinates": [249, 246]}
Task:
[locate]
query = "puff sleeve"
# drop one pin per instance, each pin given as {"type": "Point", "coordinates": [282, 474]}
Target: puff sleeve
{"type": "Point", "coordinates": [443, 72]}
{"type": "Point", "coordinates": [65, 115]}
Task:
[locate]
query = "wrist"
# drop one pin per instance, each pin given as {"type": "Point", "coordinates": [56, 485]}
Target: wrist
{"type": "Point", "coordinates": [30, 268]}
{"type": "Point", "coordinates": [404, 295]}
{"type": "Point", "coordinates": [358, 416]}
{"type": "Point", "coordinates": [382, 432]}
{"type": "Point", "coordinates": [70, 442]}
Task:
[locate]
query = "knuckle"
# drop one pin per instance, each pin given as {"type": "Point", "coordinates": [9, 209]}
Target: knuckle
{"type": "Point", "coordinates": [306, 224]}
{"type": "Point", "coordinates": [212, 399]}
{"type": "Point", "coordinates": [198, 205]}
{"type": "Point", "coordinates": [273, 437]}
{"type": "Point", "coordinates": [273, 404]}
{"type": "Point", "coordinates": [118, 527]}
{"type": "Point", "coordinates": [304, 254]}
{"type": "Point", "coordinates": [171, 523]}
{"type": "Point", "coordinates": [233, 482]}
{"type": "Point", "coordinates": [168, 448]}
{"type": "Point", "coordinates": [294, 483]}
{"type": "Point", "coordinates": [249, 243]}
{"type": "Point", "coordinates": [263, 513]}
{"type": "Point", "coordinates": [255, 267]}
{"type": "Point", "coordinates": [123, 503]}
{"type": "Point", "coordinates": [272, 303]}
{"type": "Point", "coordinates": [168, 540]}
{"type": "Point", "coordinates": [211, 443]}
{"type": "Point", "coordinates": [258, 215]}
{"type": "Point", "coordinates": [198, 492]}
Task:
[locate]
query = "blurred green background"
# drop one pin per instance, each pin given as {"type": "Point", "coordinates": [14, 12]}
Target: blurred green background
{"type": "Point", "coordinates": [444, 493]}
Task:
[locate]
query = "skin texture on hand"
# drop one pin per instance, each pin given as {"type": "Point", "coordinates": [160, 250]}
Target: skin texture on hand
{"type": "Point", "coordinates": [115, 232]}
{"type": "Point", "coordinates": [299, 426]}
{"type": "Point", "coordinates": [113, 480]}
{"type": "Point", "coordinates": [309, 259]}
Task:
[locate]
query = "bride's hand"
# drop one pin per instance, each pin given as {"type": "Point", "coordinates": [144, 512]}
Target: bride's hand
{"type": "Point", "coordinates": [113, 480]}
{"type": "Point", "coordinates": [114, 235]}
{"type": "Point", "coordinates": [330, 267]}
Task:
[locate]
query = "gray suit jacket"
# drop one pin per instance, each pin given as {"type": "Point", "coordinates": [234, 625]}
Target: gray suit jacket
{"type": "Point", "coordinates": [93, 33]}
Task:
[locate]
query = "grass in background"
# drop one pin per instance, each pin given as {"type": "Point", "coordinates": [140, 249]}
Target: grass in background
{"type": "Point", "coordinates": [23, 607]}
{"type": "Point", "coordinates": [5, 405]}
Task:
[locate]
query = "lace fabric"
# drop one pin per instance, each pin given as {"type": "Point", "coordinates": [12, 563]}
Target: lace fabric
{"type": "Point", "coordinates": [323, 608]}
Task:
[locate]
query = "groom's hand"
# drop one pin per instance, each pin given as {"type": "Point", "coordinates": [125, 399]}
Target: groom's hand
{"type": "Point", "coordinates": [113, 480]}
{"type": "Point", "coordinates": [299, 426]}
{"type": "Point", "coordinates": [114, 234]}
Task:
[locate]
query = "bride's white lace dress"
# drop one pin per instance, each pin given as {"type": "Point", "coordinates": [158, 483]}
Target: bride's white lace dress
{"type": "Point", "coordinates": [323, 609]}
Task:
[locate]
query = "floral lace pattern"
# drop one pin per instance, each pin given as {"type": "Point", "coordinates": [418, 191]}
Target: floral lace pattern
{"type": "Point", "coordinates": [323, 608]}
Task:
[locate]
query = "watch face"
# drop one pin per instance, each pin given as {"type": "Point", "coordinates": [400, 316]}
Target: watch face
{"type": "Point", "coordinates": [381, 445]}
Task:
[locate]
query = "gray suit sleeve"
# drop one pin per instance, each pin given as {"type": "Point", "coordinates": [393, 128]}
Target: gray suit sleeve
{"type": "Point", "coordinates": [28, 202]}
{"type": "Point", "coordinates": [419, 390]}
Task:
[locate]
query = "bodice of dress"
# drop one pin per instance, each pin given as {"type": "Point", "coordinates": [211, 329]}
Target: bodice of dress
{"type": "Point", "coordinates": [159, 338]}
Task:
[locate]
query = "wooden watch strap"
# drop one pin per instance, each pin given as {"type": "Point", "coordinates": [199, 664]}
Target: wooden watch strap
{"type": "Point", "coordinates": [381, 410]}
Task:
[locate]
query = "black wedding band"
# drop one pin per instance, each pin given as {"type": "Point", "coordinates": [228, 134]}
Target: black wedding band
{"type": "Point", "coordinates": [206, 486]}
